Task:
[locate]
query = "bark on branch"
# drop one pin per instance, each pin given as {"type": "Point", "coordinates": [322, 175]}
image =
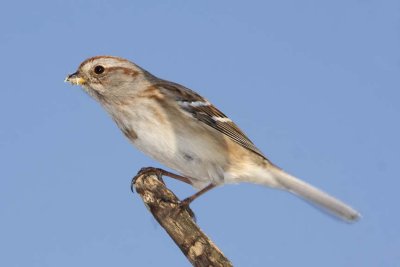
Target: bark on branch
{"type": "Point", "coordinates": [178, 223]}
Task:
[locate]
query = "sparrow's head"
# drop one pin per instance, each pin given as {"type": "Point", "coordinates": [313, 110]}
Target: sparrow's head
{"type": "Point", "coordinates": [106, 76]}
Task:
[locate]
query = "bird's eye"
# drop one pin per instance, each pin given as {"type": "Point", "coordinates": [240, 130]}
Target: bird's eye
{"type": "Point", "coordinates": [98, 69]}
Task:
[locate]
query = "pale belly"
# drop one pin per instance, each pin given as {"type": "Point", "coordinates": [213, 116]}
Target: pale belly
{"type": "Point", "coordinates": [182, 145]}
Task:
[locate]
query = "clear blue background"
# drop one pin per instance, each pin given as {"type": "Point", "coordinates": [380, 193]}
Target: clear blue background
{"type": "Point", "coordinates": [315, 84]}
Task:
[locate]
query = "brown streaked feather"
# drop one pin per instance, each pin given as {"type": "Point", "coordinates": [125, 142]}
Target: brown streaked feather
{"type": "Point", "coordinates": [131, 134]}
{"type": "Point", "coordinates": [205, 114]}
{"type": "Point", "coordinates": [179, 92]}
{"type": "Point", "coordinates": [126, 71]}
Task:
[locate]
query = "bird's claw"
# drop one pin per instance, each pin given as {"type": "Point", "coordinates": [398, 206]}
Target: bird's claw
{"type": "Point", "coordinates": [184, 206]}
{"type": "Point", "coordinates": [148, 170]}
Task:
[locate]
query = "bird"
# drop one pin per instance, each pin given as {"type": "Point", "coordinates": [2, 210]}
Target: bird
{"type": "Point", "coordinates": [185, 132]}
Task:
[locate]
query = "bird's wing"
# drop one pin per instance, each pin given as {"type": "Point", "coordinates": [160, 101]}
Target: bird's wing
{"type": "Point", "coordinates": [202, 110]}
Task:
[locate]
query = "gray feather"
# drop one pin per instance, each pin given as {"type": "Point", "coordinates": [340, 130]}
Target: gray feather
{"type": "Point", "coordinates": [314, 195]}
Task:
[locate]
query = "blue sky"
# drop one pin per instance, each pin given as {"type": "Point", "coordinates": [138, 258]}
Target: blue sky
{"type": "Point", "coordinates": [315, 84]}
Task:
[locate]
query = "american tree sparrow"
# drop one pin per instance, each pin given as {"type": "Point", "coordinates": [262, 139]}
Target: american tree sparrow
{"type": "Point", "coordinates": [184, 131]}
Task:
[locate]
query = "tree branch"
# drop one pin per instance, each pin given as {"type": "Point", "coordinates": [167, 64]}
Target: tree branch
{"type": "Point", "coordinates": [178, 222]}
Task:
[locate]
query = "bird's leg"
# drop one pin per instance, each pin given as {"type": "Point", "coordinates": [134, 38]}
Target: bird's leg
{"type": "Point", "coordinates": [186, 202]}
{"type": "Point", "coordinates": [159, 173]}
{"type": "Point", "coordinates": [175, 176]}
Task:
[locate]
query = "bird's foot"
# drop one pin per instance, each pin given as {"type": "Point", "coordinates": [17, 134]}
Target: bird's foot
{"type": "Point", "coordinates": [148, 170]}
{"type": "Point", "coordinates": [184, 206]}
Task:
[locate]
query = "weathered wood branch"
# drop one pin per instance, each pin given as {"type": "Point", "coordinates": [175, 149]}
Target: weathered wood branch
{"type": "Point", "coordinates": [178, 222]}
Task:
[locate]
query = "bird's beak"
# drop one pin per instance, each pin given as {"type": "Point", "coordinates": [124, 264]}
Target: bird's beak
{"type": "Point", "coordinates": [75, 79]}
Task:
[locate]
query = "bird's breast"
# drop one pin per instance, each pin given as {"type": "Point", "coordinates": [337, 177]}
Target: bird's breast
{"type": "Point", "coordinates": [174, 140]}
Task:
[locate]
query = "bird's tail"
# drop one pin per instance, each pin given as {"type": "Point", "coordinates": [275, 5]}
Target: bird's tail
{"type": "Point", "coordinates": [312, 194]}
